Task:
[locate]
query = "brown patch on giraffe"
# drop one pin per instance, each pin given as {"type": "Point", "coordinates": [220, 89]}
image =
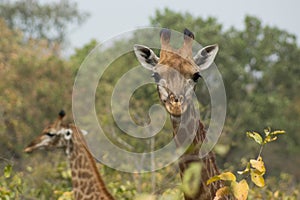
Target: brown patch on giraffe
{"type": "Point", "coordinates": [84, 175]}
{"type": "Point", "coordinates": [78, 196]}
{"type": "Point", "coordinates": [185, 66]}
{"type": "Point", "coordinates": [75, 183]}
{"type": "Point", "coordinates": [90, 189]}
{"type": "Point", "coordinates": [83, 188]}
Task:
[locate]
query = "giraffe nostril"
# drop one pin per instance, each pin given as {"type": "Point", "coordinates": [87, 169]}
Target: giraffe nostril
{"type": "Point", "coordinates": [181, 98]}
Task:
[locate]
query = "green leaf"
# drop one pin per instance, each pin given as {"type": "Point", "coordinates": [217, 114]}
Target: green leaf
{"type": "Point", "coordinates": [7, 171]}
{"type": "Point", "coordinates": [256, 136]}
{"type": "Point", "coordinates": [191, 179]}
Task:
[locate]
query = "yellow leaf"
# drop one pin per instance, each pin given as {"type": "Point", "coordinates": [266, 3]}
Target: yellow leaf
{"type": "Point", "coordinates": [278, 132]}
{"type": "Point", "coordinates": [258, 165]}
{"type": "Point", "coordinates": [226, 176]}
{"type": "Point", "coordinates": [246, 170]}
{"type": "Point", "coordinates": [270, 138]}
{"type": "Point", "coordinates": [256, 136]}
{"type": "Point", "coordinates": [240, 190]}
{"type": "Point", "coordinates": [221, 192]}
{"type": "Point", "coordinates": [267, 131]}
{"type": "Point", "coordinates": [276, 194]}
{"type": "Point", "coordinates": [213, 179]}
{"type": "Point", "coordinates": [145, 197]}
{"type": "Point", "coordinates": [257, 178]}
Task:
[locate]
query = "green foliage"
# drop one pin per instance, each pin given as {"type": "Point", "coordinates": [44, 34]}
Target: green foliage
{"type": "Point", "coordinates": [34, 83]}
{"type": "Point", "coordinates": [121, 190]}
{"type": "Point", "coordinates": [270, 136]}
{"type": "Point", "coordinates": [206, 30]}
{"type": "Point", "coordinates": [7, 171]}
{"type": "Point", "coordinates": [256, 137]}
{"type": "Point", "coordinates": [255, 168]}
{"type": "Point", "coordinates": [81, 53]}
{"type": "Point", "coordinates": [191, 179]}
{"type": "Point", "coordinates": [54, 180]}
{"type": "Point", "coordinates": [11, 184]}
{"type": "Point", "coordinates": [42, 20]}
{"type": "Point", "coordinates": [279, 188]}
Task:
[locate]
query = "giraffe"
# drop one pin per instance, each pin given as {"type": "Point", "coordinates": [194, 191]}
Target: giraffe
{"type": "Point", "coordinates": [176, 72]}
{"type": "Point", "coordinates": [86, 180]}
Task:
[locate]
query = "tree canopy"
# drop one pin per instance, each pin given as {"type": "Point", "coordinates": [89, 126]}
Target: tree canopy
{"type": "Point", "coordinates": [38, 20]}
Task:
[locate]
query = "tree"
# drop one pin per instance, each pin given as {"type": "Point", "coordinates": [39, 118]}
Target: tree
{"type": "Point", "coordinates": [48, 21]}
{"type": "Point", "coordinates": [35, 82]}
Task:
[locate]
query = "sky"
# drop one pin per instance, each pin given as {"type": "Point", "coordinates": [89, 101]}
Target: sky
{"type": "Point", "coordinates": [112, 17]}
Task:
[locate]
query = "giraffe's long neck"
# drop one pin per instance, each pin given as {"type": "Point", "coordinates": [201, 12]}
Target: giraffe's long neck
{"type": "Point", "coordinates": [86, 180]}
{"type": "Point", "coordinates": [184, 128]}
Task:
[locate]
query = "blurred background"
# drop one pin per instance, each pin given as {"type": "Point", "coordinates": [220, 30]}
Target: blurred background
{"type": "Point", "coordinates": [43, 43]}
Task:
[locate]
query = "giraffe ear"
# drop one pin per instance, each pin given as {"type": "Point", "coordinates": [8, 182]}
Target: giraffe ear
{"type": "Point", "coordinates": [145, 56]}
{"type": "Point", "coordinates": [60, 118]}
{"type": "Point", "coordinates": [84, 132]}
{"type": "Point", "coordinates": [205, 57]}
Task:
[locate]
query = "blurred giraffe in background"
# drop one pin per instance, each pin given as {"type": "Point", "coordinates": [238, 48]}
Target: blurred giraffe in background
{"type": "Point", "coordinates": [86, 180]}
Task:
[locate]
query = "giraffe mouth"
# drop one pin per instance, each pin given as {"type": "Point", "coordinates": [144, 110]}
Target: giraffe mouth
{"type": "Point", "coordinates": [176, 109]}
{"type": "Point", "coordinates": [28, 150]}
{"type": "Point", "coordinates": [31, 149]}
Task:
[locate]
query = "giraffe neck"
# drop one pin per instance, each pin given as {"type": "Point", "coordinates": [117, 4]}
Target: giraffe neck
{"type": "Point", "coordinates": [86, 180]}
{"type": "Point", "coordinates": [185, 127]}
{"type": "Point", "coordinates": [190, 127]}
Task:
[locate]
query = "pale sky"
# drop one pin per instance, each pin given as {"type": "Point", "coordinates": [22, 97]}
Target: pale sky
{"type": "Point", "coordinates": [112, 17]}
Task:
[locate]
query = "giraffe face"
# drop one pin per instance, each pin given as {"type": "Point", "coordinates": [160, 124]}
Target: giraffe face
{"type": "Point", "coordinates": [175, 90]}
{"type": "Point", "coordinates": [53, 136]}
{"type": "Point", "coordinates": [175, 71]}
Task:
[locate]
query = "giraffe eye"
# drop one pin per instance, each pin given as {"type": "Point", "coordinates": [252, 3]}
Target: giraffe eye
{"type": "Point", "coordinates": [50, 134]}
{"type": "Point", "coordinates": [196, 76]}
{"type": "Point", "coordinates": [68, 134]}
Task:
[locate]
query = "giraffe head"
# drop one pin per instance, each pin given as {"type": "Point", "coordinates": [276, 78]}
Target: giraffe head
{"type": "Point", "coordinates": [55, 135]}
{"type": "Point", "coordinates": [176, 71]}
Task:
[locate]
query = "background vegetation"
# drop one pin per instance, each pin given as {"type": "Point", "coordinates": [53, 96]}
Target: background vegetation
{"type": "Point", "coordinates": [259, 65]}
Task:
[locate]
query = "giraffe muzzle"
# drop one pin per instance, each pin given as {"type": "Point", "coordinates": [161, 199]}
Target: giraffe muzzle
{"type": "Point", "coordinates": [176, 105]}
